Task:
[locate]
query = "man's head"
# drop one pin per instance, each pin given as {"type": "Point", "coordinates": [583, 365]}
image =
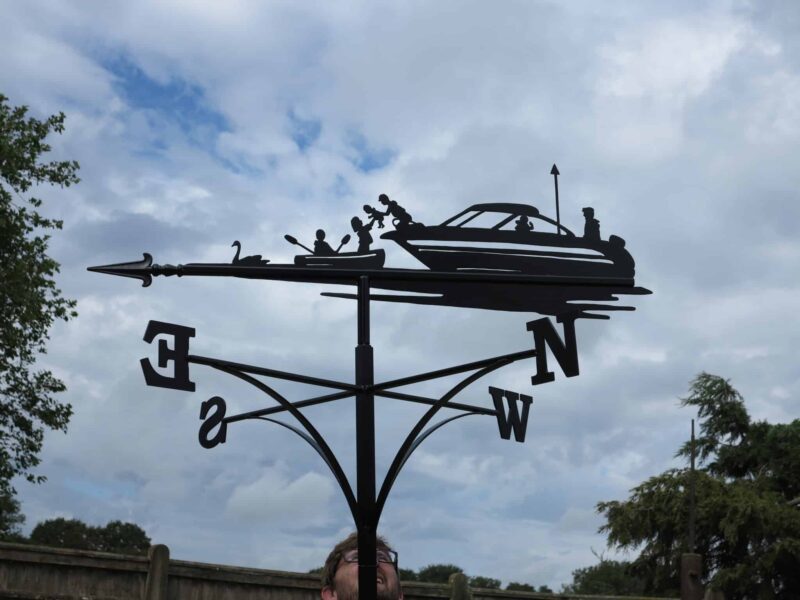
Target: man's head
{"type": "Point", "coordinates": [383, 199]}
{"type": "Point", "coordinates": [588, 212]}
{"type": "Point", "coordinates": [340, 573]}
{"type": "Point", "coordinates": [320, 234]}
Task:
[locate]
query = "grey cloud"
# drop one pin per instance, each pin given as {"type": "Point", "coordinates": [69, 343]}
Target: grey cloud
{"type": "Point", "coordinates": [692, 163]}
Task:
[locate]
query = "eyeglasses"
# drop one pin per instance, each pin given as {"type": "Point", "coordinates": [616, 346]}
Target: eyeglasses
{"type": "Point", "coordinates": [381, 556]}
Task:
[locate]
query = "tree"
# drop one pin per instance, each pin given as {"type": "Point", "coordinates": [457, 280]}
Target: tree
{"type": "Point", "coordinates": [116, 536]}
{"type": "Point", "coordinates": [608, 577]}
{"type": "Point", "coordinates": [747, 527]}
{"type": "Point", "coordinates": [408, 575]}
{"type": "Point", "coordinates": [30, 300]}
{"type": "Point", "coordinates": [513, 586]}
{"type": "Point", "coordinates": [437, 573]}
{"type": "Point", "coordinates": [489, 583]}
{"type": "Point", "coordinates": [123, 538]}
{"type": "Point", "coordinates": [10, 518]}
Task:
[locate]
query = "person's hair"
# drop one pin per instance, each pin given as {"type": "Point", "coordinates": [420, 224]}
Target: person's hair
{"type": "Point", "coordinates": [347, 544]}
{"type": "Point", "coordinates": [383, 199]}
{"type": "Point", "coordinates": [320, 234]}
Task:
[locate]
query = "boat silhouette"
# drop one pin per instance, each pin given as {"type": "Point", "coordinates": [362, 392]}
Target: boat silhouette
{"type": "Point", "coordinates": [488, 237]}
{"type": "Point", "coordinates": [373, 259]}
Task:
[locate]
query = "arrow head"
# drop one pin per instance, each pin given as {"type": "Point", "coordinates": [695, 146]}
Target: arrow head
{"type": "Point", "coordinates": [554, 170]}
{"type": "Point", "coordinates": [139, 269]}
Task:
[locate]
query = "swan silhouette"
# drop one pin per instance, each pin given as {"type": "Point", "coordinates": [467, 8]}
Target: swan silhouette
{"type": "Point", "coordinates": [254, 260]}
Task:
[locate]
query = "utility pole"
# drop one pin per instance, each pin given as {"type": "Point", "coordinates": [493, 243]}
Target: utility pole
{"type": "Point", "coordinates": [691, 563]}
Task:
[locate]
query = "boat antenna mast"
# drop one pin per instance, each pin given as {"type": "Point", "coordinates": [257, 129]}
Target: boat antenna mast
{"type": "Point", "coordinates": [554, 172]}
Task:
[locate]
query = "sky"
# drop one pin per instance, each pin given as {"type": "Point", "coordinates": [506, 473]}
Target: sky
{"type": "Point", "coordinates": [200, 123]}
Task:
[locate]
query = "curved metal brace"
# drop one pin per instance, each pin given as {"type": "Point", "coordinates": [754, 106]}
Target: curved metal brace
{"type": "Point", "coordinates": [404, 451]}
{"type": "Point", "coordinates": [424, 435]}
{"type": "Point", "coordinates": [315, 446]}
{"type": "Point", "coordinates": [319, 443]}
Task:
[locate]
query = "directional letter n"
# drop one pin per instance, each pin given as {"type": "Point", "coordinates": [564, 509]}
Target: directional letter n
{"type": "Point", "coordinates": [512, 421]}
{"type": "Point", "coordinates": [565, 352]}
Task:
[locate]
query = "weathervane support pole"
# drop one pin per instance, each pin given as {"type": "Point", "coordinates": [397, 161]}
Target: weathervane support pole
{"type": "Point", "coordinates": [365, 452]}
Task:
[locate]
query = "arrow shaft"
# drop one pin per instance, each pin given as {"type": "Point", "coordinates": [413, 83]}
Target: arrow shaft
{"type": "Point", "coordinates": [144, 270]}
{"type": "Point", "coordinates": [558, 209]}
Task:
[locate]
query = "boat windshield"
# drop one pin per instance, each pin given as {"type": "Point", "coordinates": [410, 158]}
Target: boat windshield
{"type": "Point", "coordinates": [486, 220]}
{"type": "Point", "coordinates": [502, 220]}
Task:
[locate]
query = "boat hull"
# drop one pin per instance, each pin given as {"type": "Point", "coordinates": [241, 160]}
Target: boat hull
{"type": "Point", "coordinates": [344, 260]}
{"type": "Point", "coordinates": [532, 253]}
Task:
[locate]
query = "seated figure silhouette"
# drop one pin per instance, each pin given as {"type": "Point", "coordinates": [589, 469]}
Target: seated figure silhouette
{"type": "Point", "coordinates": [523, 224]}
{"type": "Point", "coordinates": [321, 247]}
{"type": "Point", "coordinates": [591, 230]}
{"type": "Point", "coordinates": [400, 218]}
{"type": "Point", "coordinates": [362, 231]}
{"type": "Point", "coordinates": [374, 215]}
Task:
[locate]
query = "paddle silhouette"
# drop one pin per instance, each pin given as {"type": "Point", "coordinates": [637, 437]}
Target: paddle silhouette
{"type": "Point", "coordinates": [293, 240]}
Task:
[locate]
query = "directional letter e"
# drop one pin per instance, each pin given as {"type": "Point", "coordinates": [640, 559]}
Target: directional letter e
{"type": "Point", "coordinates": [180, 354]}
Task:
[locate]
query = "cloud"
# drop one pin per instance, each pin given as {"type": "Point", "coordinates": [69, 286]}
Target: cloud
{"type": "Point", "coordinates": [241, 121]}
{"type": "Point", "coordinates": [274, 497]}
{"type": "Point", "coordinates": [649, 74]}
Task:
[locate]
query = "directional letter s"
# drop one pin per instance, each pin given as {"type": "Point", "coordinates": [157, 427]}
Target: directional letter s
{"type": "Point", "coordinates": [180, 355]}
{"type": "Point", "coordinates": [216, 418]}
{"type": "Point", "coordinates": [512, 421]}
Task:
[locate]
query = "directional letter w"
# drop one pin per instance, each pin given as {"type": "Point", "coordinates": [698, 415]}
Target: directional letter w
{"type": "Point", "coordinates": [511, 421]}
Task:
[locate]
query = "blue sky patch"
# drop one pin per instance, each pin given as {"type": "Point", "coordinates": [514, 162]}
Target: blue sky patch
{"type": "Point", "coordinates": [367, 157]}
{"type": "Point", "coordinates": [341, 187]}
{"type": "Point", "coordinates": [304, 132]}
{"type": "Point", "coordinates": [178, 101]}
{"type": "Point", "coordinates": [105, 490]}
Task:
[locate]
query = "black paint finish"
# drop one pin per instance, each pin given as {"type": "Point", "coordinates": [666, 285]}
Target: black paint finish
{"type": "Point", "coordinates": [491, 256]}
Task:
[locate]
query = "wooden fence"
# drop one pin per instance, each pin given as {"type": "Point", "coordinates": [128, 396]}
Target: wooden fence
{"type": "Point", "coordinates": [41, 573]}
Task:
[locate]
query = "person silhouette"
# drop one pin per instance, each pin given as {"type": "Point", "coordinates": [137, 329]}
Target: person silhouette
{"type": "Point", "coordinates": [400, 218]}
{"type": "Point", "coordinates": [321, 247]}
{"type": "Point", "coordinates": [374, 215]}
{"type": "Point", "coordinates": [522, 224]}
{"type": "Point", "coordinates": [364, 237]}
{"type": "Point", "coordinates": [591, 230]}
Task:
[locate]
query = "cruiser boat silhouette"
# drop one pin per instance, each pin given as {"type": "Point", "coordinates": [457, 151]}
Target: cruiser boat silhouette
{"type": "Point", "coordinates": [505, 238]}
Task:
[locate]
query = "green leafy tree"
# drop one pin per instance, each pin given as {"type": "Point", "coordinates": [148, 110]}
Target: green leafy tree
{"type": "Point", "coordinates": [747, 526]}
{"type": "Point", "coordinates": [544, 589]}
{"type": "Point", "coordinates": [116, 536]}
{"type": "Point", "coordinates": [513, 586]}
{"type": "Point", "coordinates": [64, 533]}
{"type": "Point", "coordinates": [10, 518]}
{"type": "Point", "coordinates": [408, 575]}
{"type": "Point", "coordinates": [489, 583]}
{"type": "Point", "coordinates": [30, 300]}
{"type": "Point", "coordinates": [122, 538]}
{"type": "Point", "coordinates": [437, 573]}
{"type": "Point", "coordinates": [608, 577]}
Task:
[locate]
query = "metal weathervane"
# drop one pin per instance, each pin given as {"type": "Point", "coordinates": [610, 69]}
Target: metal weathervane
{"type": "Point", "coordinates": [495, 256]}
